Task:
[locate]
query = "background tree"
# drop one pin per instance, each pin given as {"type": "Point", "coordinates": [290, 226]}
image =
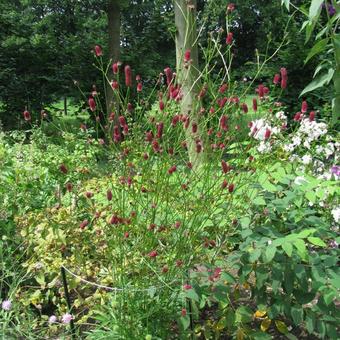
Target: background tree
{"type": "Point", "coordinates": [187, 75]}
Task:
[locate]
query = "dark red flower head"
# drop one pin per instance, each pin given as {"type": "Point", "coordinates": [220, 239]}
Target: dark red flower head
{"type": "Point", "coordinates": [244, 107]}
{"type": "Point", "coordinates": [168, 74]}
{"type": "Point", "coordinates": [229, 38]}
{"type": "Point", "coordinates": [260, 90]}
{"type": "Point", "coordinates": [187, 55]}
{"type": "Point", "coordinates": [153, 253]}
{"type": "Point", "coordinates": [63, 168]}
{"type": "Point", "coordinates": [223, 88]}
{"type": "Point", "coordinates": [109, 195]}
{"type": "Point", "coordinates": [276, 79]}
{"type": "Point", "coordinates": [114, 85]}
{"type": "Point", "coordinates": [161, 105]}
{"type": "Point", "coordinates": [160, 127]}
{"type": "Point", "coordinates": [254, 104]}
{"type": "Point", "coordinates": [230, 7]}
{"type": "Point", "coordinates": [267, 134]}
{"type": "Point", "coordinates": [27, 116]}
{"type": "Point", "coordinates": [128, 76]}
{"type": "Point", "coordinates": [225, 166]}
{"type": "Point", "coordinates": [84, 224]}
{"type": "Point", "coordinates": [115, 68]}
{"type": "Point", "coordinates": [69, 186]}
{"type": "Point", "coordinates": [98, 51]}
{"type": "Point", "coordinates": [284, 77]}
{"type": "Point", "coordinates": [92, 104]}
{"type": "Point", "coordinates": [304, 107]}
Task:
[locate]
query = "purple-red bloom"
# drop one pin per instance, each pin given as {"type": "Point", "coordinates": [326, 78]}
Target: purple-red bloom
{"type": "Point", "coordinates": [284, 77]}
{"type": "Point", "coordinates": [230, 7]}
{"type": "Point", "coordinates": [254, 104]}
{"type": "Point", "coordinates": [128, 77]}
{"type": "Point", "coordinates": [276, 79]}
{"type": "Point", "coordinates": [27, 116]}
{"type": "Point", "coordinates": [153, 253]}
{"type": "Point", "coordinates": [92, 104]}
{"type": "Point", "coordinates": [229, 38]}
{"type": "Point", "coordinates": [168, 74]}
{"type": "Point", "coordinates": [187, 55]}
{"type": "Point", "coordinates": [98, 51]}
{"type": "Point", "coordinates": [63, 168]}
{"type": "Point", "coordinates": [115, 68]}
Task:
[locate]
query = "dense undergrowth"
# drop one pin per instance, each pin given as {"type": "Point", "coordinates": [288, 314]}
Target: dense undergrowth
{"type": "Point", "coordinates": [244, 246]}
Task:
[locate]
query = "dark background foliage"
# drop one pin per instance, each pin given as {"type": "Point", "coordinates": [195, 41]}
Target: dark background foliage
{"type": "Point", "coordinates": [47, 45]}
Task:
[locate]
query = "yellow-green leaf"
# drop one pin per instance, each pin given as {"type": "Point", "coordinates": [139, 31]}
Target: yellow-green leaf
{"type": "Point", "coordinates": [265, 324]}
{"type": "Point", "coordinates": [317, 241]}
{"type": "Point", "coordinates": [281, 326]}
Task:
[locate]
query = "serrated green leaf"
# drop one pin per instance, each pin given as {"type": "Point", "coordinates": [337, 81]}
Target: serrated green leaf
{"type": "Point", "coordinates": [329, 296]}
{"type": "Point", "coordinates": [185, 322]}
{"type": "Point", "coordinates": [311, 196]}
{"type": "Point", "coordinates": [306, 232]}
{"type": "Point", "coordinates": [288, 248]}
{"type": "Point", "coordinates": [261, 336]}
{"type": "Point", "coordinates": [331, 331]}
{"type": "Point", "coordinates": [243, 315]}
{"type": "Point", "coordinates": [221, 324]}
{"type": "Point", "coordinates": [230, 318]}
{"type": "Point", "coordinates": [317, 241]}
{"type": "Point", "coordinates": [254, 255]}
{"type": "Point", "coordinates": [270, 253]}
{"type": "Point", "coordinates": [227, 277]}
{"type": "Point", "coordinates": [310, 322]}
{"type": "Point", "coordinates": [259, 201]}
{"type": "Point", "coordinates": [297, 314]}
{"type": "Point", "coordinates": [321, 327]}
{"type": "Point", "coordinates": [245, 222]}
{"type": "Point", "coordinates": [191, 294]}
{"type": "Point", "coordinates": [301, 248]}
{"type": "Point", "coordinates": [281, 326]}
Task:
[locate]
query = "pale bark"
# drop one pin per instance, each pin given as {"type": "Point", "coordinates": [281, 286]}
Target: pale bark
{"type": "Point", "coordinates": [187, 75]}
{"type": "Point", "coordinates": [113, 15]}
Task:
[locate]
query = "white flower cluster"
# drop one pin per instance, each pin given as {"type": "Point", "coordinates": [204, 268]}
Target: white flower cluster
{"type": "Point", "coordinates": [259, 130]}
{"type": "Point", "coordinates": [336, 214]}
{"type": "Point", "coordinates": [281, 115]}
{"type": "Point", "coordinates": [308, 132]}
{"type": "Point", "coordinates": [312, 129]}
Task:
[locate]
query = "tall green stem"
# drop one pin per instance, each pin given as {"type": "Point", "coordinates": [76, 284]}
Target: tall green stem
{"type": "Point", "coordinates": [336, 79]}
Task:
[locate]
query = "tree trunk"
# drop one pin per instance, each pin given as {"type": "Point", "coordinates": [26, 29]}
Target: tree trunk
{"type": "Point", "coordinates": [113, 15]}
{"type": "Point", "coordinates": [336, 104]}
{"type": "Point", "coordinates": [65, 106]}
{"type": "Point", "coordinates": [187, 73]}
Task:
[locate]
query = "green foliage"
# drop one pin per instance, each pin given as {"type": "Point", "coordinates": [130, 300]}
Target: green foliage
{"type": "Point", "coordinates": [285, 258]}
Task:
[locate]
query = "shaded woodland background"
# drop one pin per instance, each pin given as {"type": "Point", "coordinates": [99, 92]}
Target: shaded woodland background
{"type": "Point", "coordinates": [47, 46]}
